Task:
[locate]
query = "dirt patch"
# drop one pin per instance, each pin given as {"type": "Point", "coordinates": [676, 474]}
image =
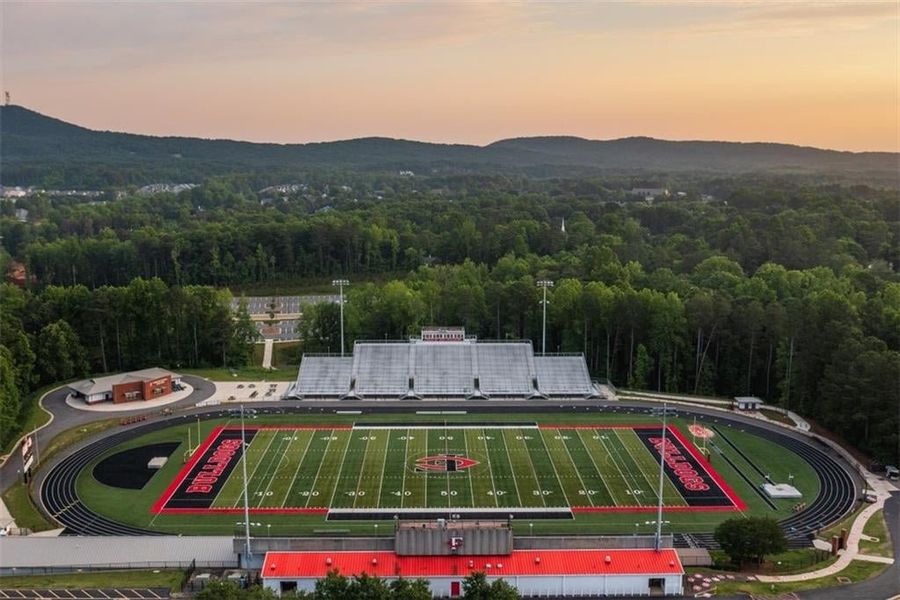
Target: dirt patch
{"type": "Point", "coordinates": [128, 469]}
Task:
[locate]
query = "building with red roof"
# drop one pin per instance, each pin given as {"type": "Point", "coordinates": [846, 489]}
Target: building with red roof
{"type": "Point", "coordinates": [533, 572]}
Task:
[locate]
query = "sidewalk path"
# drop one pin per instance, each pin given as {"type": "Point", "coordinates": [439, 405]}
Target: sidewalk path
{"type": "Point", "coordinates": [267, 354]}
{"type": "Point", "coordinates": [882, 491]}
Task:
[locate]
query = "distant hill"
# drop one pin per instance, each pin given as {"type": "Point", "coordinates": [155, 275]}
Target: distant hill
{"type": "Point", "coordinates": [32, 143]}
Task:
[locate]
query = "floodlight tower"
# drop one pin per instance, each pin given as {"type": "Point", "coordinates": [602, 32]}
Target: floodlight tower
{"type": "Point", "coordinates": [664, 411]}
{"type": "Point", "coordinates": [340, 283]}
{"type": "Point", "coordinates": [544, 283]}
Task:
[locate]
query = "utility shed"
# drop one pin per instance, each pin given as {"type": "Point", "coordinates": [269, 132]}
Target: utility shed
{"type": "Point", "coordinates": [747, 403]}
{"type": "Point", "coordinates": [555, 573]}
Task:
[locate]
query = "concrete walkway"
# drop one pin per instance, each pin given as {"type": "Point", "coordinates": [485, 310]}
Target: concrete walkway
{"type": "Point", "coordinates": [267, 354]}
{"type": "Point", "coordinates": [882, 490]}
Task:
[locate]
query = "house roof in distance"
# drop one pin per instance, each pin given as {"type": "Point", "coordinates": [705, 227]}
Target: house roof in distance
{"type": "Point", "coordinates": [97, 385]}
{"type": "Point", "coordinates": [549, 563]}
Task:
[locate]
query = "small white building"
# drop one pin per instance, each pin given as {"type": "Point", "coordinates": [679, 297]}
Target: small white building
{"type": "Point", "coordinates": [555, 573]}
{"type": "Point", "coordinates": [747, 403]}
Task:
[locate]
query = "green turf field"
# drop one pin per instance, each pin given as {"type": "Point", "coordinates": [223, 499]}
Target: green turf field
{"type": "Point", "coordinates": [372, 469]}
{"type": "Point", "coordinates": [448, 467]}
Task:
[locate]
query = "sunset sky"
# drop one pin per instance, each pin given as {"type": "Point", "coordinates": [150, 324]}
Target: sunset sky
{"type": "Point", "coordinates": [819, 74]}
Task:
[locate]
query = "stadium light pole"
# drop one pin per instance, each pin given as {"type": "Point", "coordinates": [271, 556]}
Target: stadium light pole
{"type": "Point", "coordinates": [662, 462]}
{"type": "Point", "coordinates": [340, 283]}
{"type": "Point", "coordinates": [544, 283]}
{"type": "Point", "coordinates": [246, 499]}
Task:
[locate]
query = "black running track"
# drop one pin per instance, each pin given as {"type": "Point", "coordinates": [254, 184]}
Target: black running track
{"type": "Point", "coordinates": [836, 496]}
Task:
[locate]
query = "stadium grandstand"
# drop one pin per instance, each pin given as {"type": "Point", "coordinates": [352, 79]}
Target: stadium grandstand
{"type": "Point", "coordinates": [442, 363]}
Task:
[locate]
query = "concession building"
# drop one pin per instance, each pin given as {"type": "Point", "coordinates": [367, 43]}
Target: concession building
{"type": "Point", "coordinates": [553, 573]}
{"type": "Point", "coordinates": [146, 384]}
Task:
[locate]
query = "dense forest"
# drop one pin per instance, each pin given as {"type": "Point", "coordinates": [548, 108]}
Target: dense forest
{"type": "Point", "coordinates": [770, 286]}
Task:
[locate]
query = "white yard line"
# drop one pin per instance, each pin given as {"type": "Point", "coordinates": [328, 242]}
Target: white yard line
{"type": "Point", "coordinates": [537, 480]}
{"type": "Point", "coordinates": [362, 464]}
{"type": "Point", "coordinates": [312, 488]}
{"type": "Point", "coordinates": [511, 470]}
{"type": "Point", "coordinates": [297, 470]}
{"type": "Point", "coordinates": [278, 466]}
{"type": "Point", "coordinates": [650, 485]}
{"type": "Point", "coordinates": [596, 468]}
{"type": "Point", "coordinates": [387, 448]}
{"type": "Point", "coordinates": [469, 471]}
{"type": "Point", "coordinates": [562, 488]}
{"type": "Point", "coordinates": [584, 487]}
{"type": "Point", "coordinates": [405, 463]}
{"type": "Point", "coordinates": [246, 452]}
{"type": "Point", "coordinates": [617, 459]}
{"type": "Point", "coordinates": [265, 475]}
{"type": "Point", "coordinates": [487, 456]}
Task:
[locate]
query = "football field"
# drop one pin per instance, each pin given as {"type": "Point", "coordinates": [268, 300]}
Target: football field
{"type": "Point", "coordinates": [369, 470]}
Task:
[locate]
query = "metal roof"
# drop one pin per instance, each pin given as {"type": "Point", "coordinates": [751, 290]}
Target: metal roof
{"type": "Point", "coordinates": [97, 385]}
{"type": "Point", "coordinates": [93, 551]}
{"type": "Point", "coordinates": [297, 565]}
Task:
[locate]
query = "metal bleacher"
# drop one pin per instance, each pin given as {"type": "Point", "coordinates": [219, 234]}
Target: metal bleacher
{"type": "Point", "coordinates": [563, 375]}
{"type": "Point", "coordinates": [462, 368]}
{"type": "Point", "coordinates": [324, 375]}
{"type": "Point", "coordinates": [443, 369]}
{"type": "Point", "coordinates": [503, 368]}
{"type": "Point", "coordinates": [381, 369]}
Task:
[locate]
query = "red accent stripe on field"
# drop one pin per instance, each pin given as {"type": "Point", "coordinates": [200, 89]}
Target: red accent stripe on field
{"type": "Point", "coordinates": [648, 509]}
{"type": "Point", "coordinates": [735, 499]}
{"type": "Point", "coordinates": [596, 427]}
{"type": "Point", "coordinates": [303, 427]}
{"type": "Point", "coordinates": [272, 510]}
{"type": "Point", "coordinates": [159, 505]}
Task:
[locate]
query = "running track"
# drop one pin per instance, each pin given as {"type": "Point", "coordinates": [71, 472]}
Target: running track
{"type": "Point", "coordinates": [838, 493]}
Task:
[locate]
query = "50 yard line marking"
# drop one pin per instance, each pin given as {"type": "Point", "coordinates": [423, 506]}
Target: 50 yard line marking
{"type": "Point", "coordinates": [297, 470]}
{"type": "Point", "coordinates": [468, 471]}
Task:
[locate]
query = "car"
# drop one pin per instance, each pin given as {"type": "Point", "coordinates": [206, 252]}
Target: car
{"type": "Point", "coordinates": [240, 386]}
{"type": "Point", "coordinates": [251, 385]}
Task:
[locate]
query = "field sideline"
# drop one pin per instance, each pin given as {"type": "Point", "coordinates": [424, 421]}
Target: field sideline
{"type": "Point", "coordinates": [373, 469]}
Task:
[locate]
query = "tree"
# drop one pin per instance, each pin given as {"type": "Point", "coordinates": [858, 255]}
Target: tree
{"type": "Point", "coordinates": [752, 538]}
{"type": "Point", "coordinates": [60, 355]}
{"type": "Point", "coordinates": [227, 590]}
{"type": "Point", "coordinates": [243, 336]}
{"type": "Point", "coordinates": [10, 406]}
{"type": "Point", "coordinates": [476, 587]}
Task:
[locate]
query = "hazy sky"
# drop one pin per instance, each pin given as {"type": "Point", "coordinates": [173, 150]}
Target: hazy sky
{"type": "Point", "coordinates": [822, 74]}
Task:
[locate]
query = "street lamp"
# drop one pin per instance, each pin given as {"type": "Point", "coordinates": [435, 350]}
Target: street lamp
{"type": "Point", "coordinates": [340, 283]}
{"type": "Point", "coordinates": [544, 283]}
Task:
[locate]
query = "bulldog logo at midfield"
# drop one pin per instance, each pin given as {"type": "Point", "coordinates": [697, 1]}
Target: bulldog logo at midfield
{"type": "Point", "coordinates": [444, 463]}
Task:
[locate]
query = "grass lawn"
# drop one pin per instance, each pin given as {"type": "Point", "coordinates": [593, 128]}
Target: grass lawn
{"type": "Point", "coordinates": [857, 571]}
{"type": "Point", "coordinates": [35, 417]}
{"type": "Point", "coordinates": [243, 374]}
{"type": "Point", "coordinates": [23, 510]}
{"type": "Point", "coordinates": [367, 470]}
{"type": "Point", "coordinates": [75, 435]}
{"type": "Point", "coordinates": [774, 415]}
{"type": "Point", "coordinates": [876, 527]}
{"type": "Point", "coordinates": [171, 579]}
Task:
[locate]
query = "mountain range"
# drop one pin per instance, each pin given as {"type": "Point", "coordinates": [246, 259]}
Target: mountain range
{"type": "Point", "coordinates": [31, 142]}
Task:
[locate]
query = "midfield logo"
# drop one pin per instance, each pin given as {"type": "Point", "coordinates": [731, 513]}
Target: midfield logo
{"type": "Point", "coordinates": [444, 463]}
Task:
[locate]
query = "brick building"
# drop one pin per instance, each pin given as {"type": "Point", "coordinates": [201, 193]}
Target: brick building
{"type": "Point", "coordinates": [146, 384]}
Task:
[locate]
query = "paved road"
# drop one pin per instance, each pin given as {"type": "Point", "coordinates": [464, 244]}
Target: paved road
{"type": "Point", "coordinates": [882, 587]}
{"type": "Point", "coordinates": [65, 417]}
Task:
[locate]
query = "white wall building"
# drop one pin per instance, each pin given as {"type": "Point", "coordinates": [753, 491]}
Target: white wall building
{"type": "Point", "coordinates": [637, 572]}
